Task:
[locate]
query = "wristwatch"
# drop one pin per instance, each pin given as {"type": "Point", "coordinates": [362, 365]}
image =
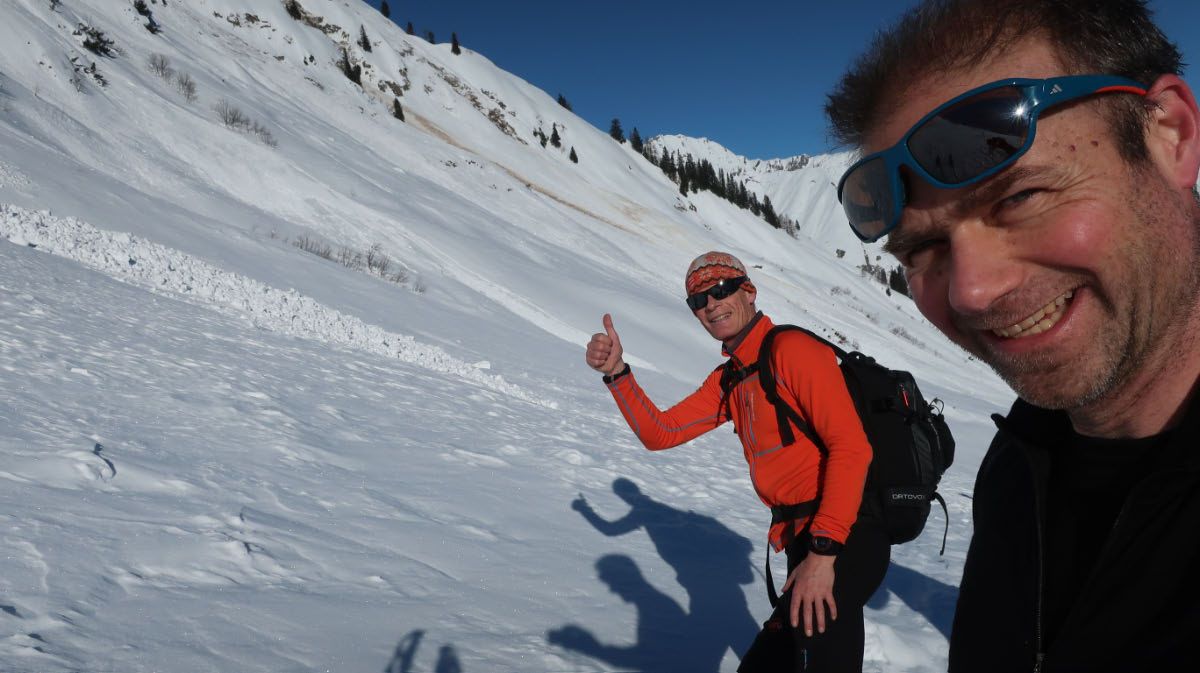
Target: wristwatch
{"type": "Point", "coordinates": [824, 546]}
{"type": "Point", "coordinates": [614, 377]}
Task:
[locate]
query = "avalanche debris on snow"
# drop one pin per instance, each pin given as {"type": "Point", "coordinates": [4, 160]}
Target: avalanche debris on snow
{"type": "Point", "coordinates": [167, 271]}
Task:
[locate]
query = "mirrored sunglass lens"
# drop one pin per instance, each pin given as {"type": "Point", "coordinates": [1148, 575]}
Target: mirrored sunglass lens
{"type": "Point", "coordinates": [725, 288]}
{"type": "Point", "coordinates": [721, 290]}
{"type": "Point", "coordinates": [867, 198]}
{"type": "Point", "coordinates": [969, 138]}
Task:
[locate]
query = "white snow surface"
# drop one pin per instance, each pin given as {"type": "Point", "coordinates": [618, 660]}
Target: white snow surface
{"type": "Point", "coordinates": [224, 453]}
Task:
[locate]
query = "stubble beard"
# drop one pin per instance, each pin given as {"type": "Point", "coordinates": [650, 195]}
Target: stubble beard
{"type": "Point", "coordinates": [1135, 331]}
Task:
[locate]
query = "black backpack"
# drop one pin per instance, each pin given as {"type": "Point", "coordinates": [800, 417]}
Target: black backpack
{"type": "Point", "coordinates": [910, 440]}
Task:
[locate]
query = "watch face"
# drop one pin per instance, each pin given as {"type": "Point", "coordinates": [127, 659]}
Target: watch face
{"type": "Point", "coordinates": [824, 546]}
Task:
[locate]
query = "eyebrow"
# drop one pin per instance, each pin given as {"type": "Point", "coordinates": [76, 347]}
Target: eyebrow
{"type": "Point", "coordinates": [970, 199]}
{"type": "Point", "coordinates": [990, 190]}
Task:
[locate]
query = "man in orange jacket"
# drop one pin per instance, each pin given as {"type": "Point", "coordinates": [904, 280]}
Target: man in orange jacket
{"type": "Point", "coordinates": [836, 559]}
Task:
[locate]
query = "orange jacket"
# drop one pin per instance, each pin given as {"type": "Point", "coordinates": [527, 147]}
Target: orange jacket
{"type": "Point", "coordinates": [809, 379]}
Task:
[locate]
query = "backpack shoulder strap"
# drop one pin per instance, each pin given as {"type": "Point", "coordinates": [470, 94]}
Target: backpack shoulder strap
{"type": "Point", "coordinates": [766, 378]}
{"type": "Point", "coordinates": [731, 376]}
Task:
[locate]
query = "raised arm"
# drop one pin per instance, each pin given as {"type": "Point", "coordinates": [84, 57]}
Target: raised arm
{"type": "Point", "coordinates": [691, 417]}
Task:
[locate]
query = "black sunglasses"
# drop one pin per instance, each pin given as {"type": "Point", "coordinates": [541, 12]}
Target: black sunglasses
{"type": "Point", "coordinates": [723, 288]}
{"type": "Point", "coordinates": [963, 141]}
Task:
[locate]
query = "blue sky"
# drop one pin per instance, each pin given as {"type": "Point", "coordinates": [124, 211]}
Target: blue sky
{"type": "Point", "coordinates": [751, 75]}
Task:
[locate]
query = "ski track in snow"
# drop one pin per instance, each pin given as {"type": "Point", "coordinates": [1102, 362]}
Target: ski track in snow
{"type": "Point", "coordinates": [171, 272]}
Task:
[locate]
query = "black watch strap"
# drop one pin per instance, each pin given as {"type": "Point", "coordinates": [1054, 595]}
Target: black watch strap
{"type": "Point", "coordinates": [824, 546]}
{"type": "Point", "coordinates": [614, 377]}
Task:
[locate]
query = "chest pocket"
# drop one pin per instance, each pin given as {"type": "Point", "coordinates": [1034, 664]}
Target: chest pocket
{"type": "Point", "coordinates": [745, 403]}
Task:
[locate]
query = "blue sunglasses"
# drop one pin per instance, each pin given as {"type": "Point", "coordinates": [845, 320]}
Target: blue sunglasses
{"type": "Point", "coordinates": [963, 141]}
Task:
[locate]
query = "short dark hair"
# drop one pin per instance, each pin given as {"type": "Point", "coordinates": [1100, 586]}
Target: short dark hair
{"type": "Point", "coordinates": [1116, 37]}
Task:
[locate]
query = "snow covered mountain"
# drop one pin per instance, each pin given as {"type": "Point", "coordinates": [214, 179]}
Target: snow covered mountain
{"type": "Point", "coordinates": [291, 384]}
{"type": "Point", "coordinates": [803, 189]}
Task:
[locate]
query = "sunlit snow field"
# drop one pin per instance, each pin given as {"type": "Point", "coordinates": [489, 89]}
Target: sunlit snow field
{"type": "Point", "coordinates": [223, 453]}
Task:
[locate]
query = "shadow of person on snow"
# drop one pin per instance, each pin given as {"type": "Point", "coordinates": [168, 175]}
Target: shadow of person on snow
{"type": "Point", "coordinates": [931, 598]}
{"type": "Point", "coordinates": [406, 652]}
{"type": "Point", "coordinates": [710, 561]}
{"type": "Point", "coordinates": [665, 643]}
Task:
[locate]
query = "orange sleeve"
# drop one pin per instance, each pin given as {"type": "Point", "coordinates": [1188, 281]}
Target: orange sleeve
{"type": "Point", "coordinates": [808, 370]}
{"type": "Point", "coordinates": [693, 416]}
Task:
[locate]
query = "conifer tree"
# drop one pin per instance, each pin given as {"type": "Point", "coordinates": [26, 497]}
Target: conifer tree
{"type": "Point", "coordinates": [554, 137]}
{"type": "Point", "coordinates": [635, 141]}
{"type": "Point", "coordinates": [352, 71]}
{"type": "Point", "coordinates": [293, 9]}
{"type": "Point", "coordinates": [768, 212]}
{"type": "Point", "coordinates": [898, 281]}
{"type": "Point", "coordinates": [708, 176]}
{"type": "Point", "coordinates": [385, 10]}
{"type": "Point", "coordinates": [667, 164]}
{"type": "Point", "coordinates": [363, 40]}
{"type": "Point", "coordinates": [429, 37]}
{"type": "Point", "coordinates": [562, 100]}
{"type": "Point", "coordinates": [397, 110]}
{"type": "Point", "coordinates": [409, 29]}
{"type": "Point", "coordinates": [574, 157]}
{"type": "Point", "coordinates": [617, 133]}
{"type": "Point", "coordinates": [454, 46]}
{"type": "Point", "coordinates": [683, 184]}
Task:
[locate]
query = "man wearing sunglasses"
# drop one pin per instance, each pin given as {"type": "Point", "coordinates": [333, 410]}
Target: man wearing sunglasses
{"type": "Point", "coordinates": [835, 561]}
{"type": "Point", "coordinates": [1032, 164]}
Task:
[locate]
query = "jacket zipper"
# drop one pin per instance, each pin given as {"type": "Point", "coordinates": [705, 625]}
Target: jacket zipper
{"type": "Point", "coordinates": [1037, 615]}
{"type": "Point", "coordinates": [1039, 655]}
{"type": "Point", "coordinates": [1112, 535]}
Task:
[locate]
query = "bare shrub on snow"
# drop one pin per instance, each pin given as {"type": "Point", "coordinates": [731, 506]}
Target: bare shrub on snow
{"type": "Point", "coordinates": [263, 134]}
{"type": "Point", "coordinates": [377, 262]}
{"type": "Point", "coordinates": [374, 261]}
{"type": "Point", "coordinates": [231, 116]}
{"type": "Point", "coordinates": [160, 65]}
{"type": "Point", "coordinates": [314, 246]}
{"type": "Point", "coordinates": [351, 259]}
{"type": "Point", "coordinates": [186, 86]}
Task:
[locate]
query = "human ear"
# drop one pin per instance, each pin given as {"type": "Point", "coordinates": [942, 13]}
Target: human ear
{"type": "Point", "coordinates": [1173, 131]}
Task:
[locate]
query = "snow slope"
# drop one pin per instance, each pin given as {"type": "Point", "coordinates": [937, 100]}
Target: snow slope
{"type": "Point", "coordinates": [226, 453]}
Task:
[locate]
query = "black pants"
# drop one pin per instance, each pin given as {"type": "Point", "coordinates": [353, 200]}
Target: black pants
{"type": "Point", "coordinates": [858, 572]}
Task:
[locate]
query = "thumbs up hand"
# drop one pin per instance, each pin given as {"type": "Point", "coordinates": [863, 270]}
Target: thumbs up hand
{"type": "Point", "coordinates": [604, 350]}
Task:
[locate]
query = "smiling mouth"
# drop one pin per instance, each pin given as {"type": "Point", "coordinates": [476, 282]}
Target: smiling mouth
{"type": "Point", "coordinates": [721, 318]}
{"type": "Point", "coordinates": [1041, 320]}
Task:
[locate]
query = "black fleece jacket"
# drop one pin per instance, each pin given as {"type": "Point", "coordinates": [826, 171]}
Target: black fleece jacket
{"type": "Point", "coordinates": [1139, 610]}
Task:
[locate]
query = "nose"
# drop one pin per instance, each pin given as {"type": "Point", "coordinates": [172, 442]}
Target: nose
{"type": "Point", "coordinates": [982, 269]}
